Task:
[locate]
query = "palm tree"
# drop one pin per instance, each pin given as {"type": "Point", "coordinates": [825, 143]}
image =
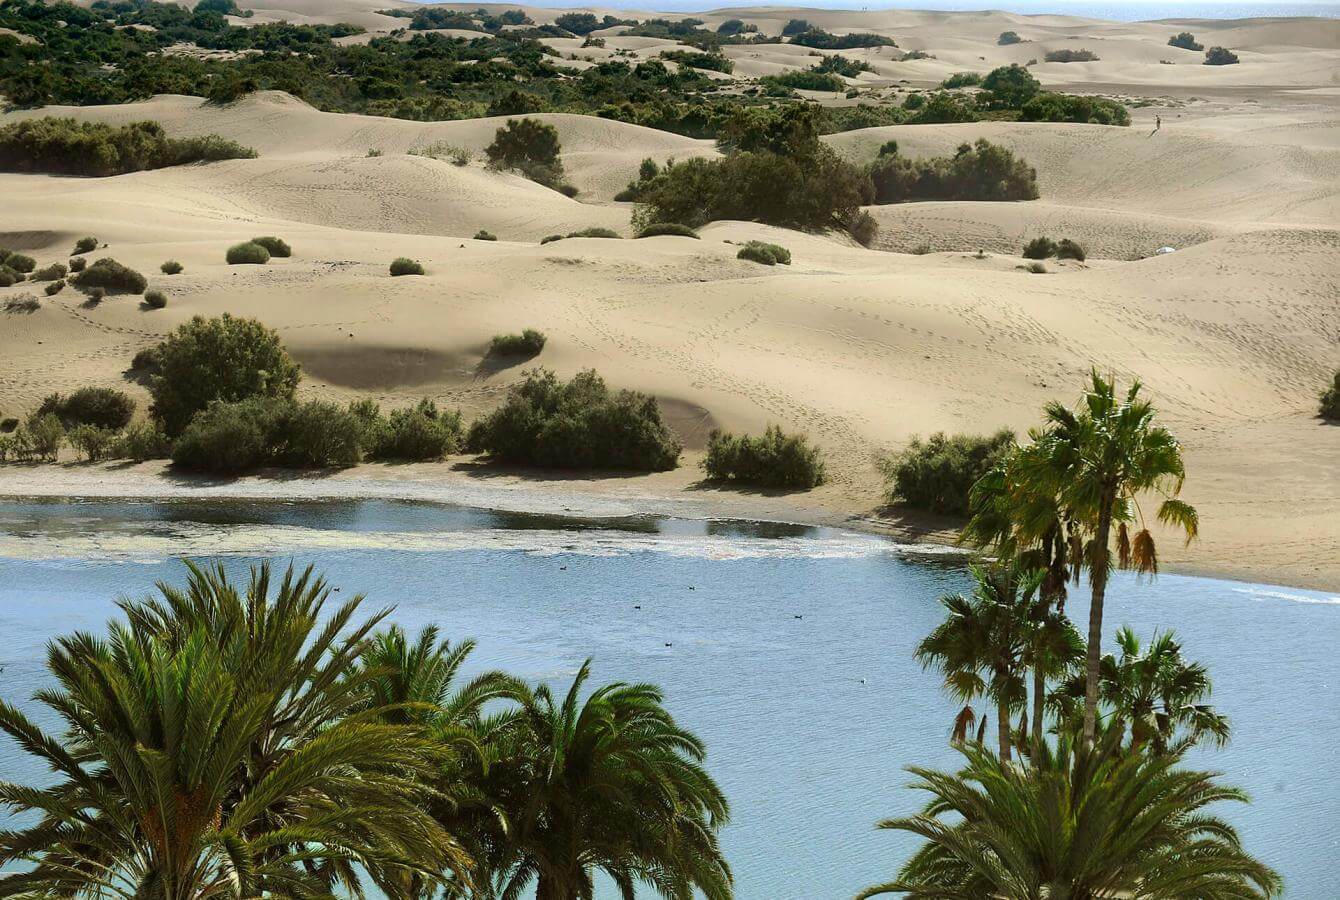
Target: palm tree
{"type": "Point", "coordinates": [1084, 822]}
{"type": "Point", "coordinates": [1157, 692]}
{"type": "Point", "coordinates": [208, 754]}
{"type": "Point", "coordinates": [610, 783]}
{"type": "Point", "coordinates": [1097, 462]}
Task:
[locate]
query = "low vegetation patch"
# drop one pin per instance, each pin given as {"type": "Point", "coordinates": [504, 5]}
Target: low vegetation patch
{"type": "Point", "coordinates": [9, 277]}
{"type": "Point", "coordinates": [579, 424]}
{"type": "Point", "coordinates": [97, 406]}
{"type": "Point", "coordinates": [1044, 247]}
{"type": "Point", "coordinates": [111, 276]}
{"type": "Point", "coordinates": [804, 80]}
{"type": "Point", "coordinates": [54, 288]}
{"type": "Point", "coordinates": [403, 265]}
{"type": "Point", "coordinates": [596, 232]}
{"type": "Point", "coordinates": [528, 343]}
{"type": "Point", "coordinates": [1008, 37]}
{"type": "Point", "coordinates": [765, 253]}
{"type": "Point", "coordinates": [774, 460]}
{"type": "Point", "coordinates": [247, 253]}
{"type": "Point", "coordinates": [1186, 40]}
{"type": "Point", "coordinates": [155, 299]}
{"type": "Point", "coordinates": [937, 474]}
{"type": "Point", "coordinates": [980, 171]}
{"type": "Point", "coordinates": [713, 62]}
{"type": "Point", "coordinates": [482, 235]}
{"type": "Point", "coordinates": [1049, 107]}
{"type": "Point", "coordinates": [77, 264]}
{"type": "Point", "coordinates": [276, 247]}
{"type": "Point", "coordinates": [1220, 56]}
{"type": "Point", "coordinates": [91, 442]}
{"type": "Point", "coordinates": [171, 267]}
{"type": "Point", "coordinates": [48, 273]}
{"type": "Point", "coordinates": [85, 245]}
{"type": "Point", "coordinates": [1330, 400]}
{"type": "Point", "coordinates": [823, 40]}
{"type": "Point", "coordinates": [19, 262]}
{"type": "Point", "coordinates": [673, 229]}
{"type": "Point", "coordinates": [67, 147]}
{"type": "Point", "coordinates": [1067, 56]}
{"type": "Point", "coordinates": [530, 147]}
{"type": "Point", "coordinates": [962, 80]}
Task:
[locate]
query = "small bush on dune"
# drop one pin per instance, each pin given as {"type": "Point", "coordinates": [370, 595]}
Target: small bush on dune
{"type": "Point", "coordinates": [1186, 40]}
{"type": "Point", "coordinates": [91, 442]}
{"type": "Point", "coordinates": [96, 295]}
{"type": "Point", "coordinates": [9, 277]}
{"type": "Point", "coordinates": [528, 343]}
{"type": "Point", "coordinates": [111, 276]}
{"type": "Point", "coordinates": [529, 146]}
{"type": "Point", "coordinates": [1065, 56]}
{"type": "Point", "coordinates": [48, 273]}
{"type": "Point", "coordinates": [155, 299]}
{"type": "Point", "coordinates": [67, 147]}
{"type": "Point", "coordinates": [247, 253]}
{"type": "Point", "coordinates": [804, 80]}
{"type": "Point", "coordinates": [767, 254]}
{"type": "Point", "coordinates": [45, 435]}
{"type": "Point", "coordinates": [1068, 249]}
{"type": "Point", "coordinates": [98, 406]}
{"type": "Point", "coordinates": [549, 239]}
{"type": "Point", "coordinates": [145, 362]}
{"type": "Point", "coordinates": [319, 434]}
{"type": "Point", "coordinates": [936, 475]}
{"type": "Point", "coordinates": [1330, 400]}
{"type": "Point", "coordinates": [20, 262]}
{"type": "Point", "coordinates": [403, 265]}
{"type": "Point", "coordinates": [482, 235]}
{"type": "Point", "coordinates": [1049, 107]}
{"type": "Point", "coordinates": [596, 233]}
{"type": "Point", "coordinates": [230, 437]}
{"type": "Point", "coordinates": [77, 264]}
{"type": "Point", "coordinates": [141, 441]}
{"type": "Point", "coordinates": [171, 267]}
{"type": "Point", "coordinates": [962, 80]}
{"type": "Point", "coordinates": [277, 247]}
{"type": "Point", "coordinates": [980, 171]}
{"type": "Point", "coordinates": [85, 245]}
{"type": "Point", "coordinates": [25, 303]}
{"type": "Point", "coordinates": [673, 229]}
{"type": "Point", "coordinates": [55, 287]}
{"type": "Point", "coordinates": [1220, 56]}
{"type": "Point", "coordinates": [1035, 268]}
{"type": "Point", "coordinates": [579, 424]}
{"type": "Point", "coordinates": [1039, 248]}
{"type": "Point", "coordinates": [421, 433]}
{"type": "Point", "coordinates": [1008, 37]}
{"type": "Point", "coordinates": [8, 425]}
{"type": "Point", "coordinates": [775, 460]}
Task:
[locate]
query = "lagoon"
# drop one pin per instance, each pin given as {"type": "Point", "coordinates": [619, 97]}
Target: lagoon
{"type": "Point", "coordinates": [809, 721]}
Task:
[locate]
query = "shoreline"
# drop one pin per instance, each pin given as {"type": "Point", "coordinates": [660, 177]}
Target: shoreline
{"type": "Point", "coordinates": [514, 490]}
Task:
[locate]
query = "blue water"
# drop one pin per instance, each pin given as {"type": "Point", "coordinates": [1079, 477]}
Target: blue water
{"type": "Point", "coordinates": [809, 755]}
{"type": "Point", "coordinates": [1140, 11]}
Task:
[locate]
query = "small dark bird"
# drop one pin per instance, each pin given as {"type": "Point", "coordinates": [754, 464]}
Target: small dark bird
{"type": "Point", "coordinates": [800, 617]}
{"type": "Point", "coordinates": [692, 588]}
{"type": "Point", "coordinates": [562, 568]}
{"type": "Point", "coordinates": [668, 644]}
{"type": "Point", "coordinates": [637, 607]}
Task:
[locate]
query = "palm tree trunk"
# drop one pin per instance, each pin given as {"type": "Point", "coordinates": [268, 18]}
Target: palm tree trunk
{"type": "Point", "coordinates": [1039, 698]}
{"type": "Point", "coordinates": [1098, 580]}
{"type": "Point", "coordinates": [1003, 730]}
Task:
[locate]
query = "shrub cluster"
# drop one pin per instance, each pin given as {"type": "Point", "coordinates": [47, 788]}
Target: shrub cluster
{"type": "Point", "coordinates": [1065, 56]}
{"type": "Point", "coordinates": [1044, 247]}
{"type": "Point", "coordinates": [765, 253]}
{"type": "Point", "coordinates": [110, 276]}
{"type": "Point", "coordinates": [528, 343]}
{"type": "Point", "coordinates": [48, 273]}
{"type": "Point", "coordinates": [713, 62]}
{"type": "Point", "coordinates": [403, 265]}
{"type": "Point", "coordinates": [54, 288]}
{"type": "Point", "coordinates": [482, 235]}
{"type": "Point", "coordinates": [936, 475]}
{"type": "Point", "coordinates": [981, 171]}
{"type": "Point", "coordinates": [1220, 56]}
{"type": "Point", "coordinates": [823, 40]}
{"type": "Point", "coordinates": [67, 147]}
{"type": "Point", "coordinates": [155, 299]}
{"type": "Point", "coordinates": [1008, 37]}
{"type": "Point", "coordinates": [942, 108]}
{"type": "Point", "coordinates": [77, 264]}
{"type": "Point", "coordinates": [1186, 40]}
{"type": "Point", "coordinates": [276, 247]}
{"type": "Point", "coordinates": [962, 80]}
{"type": "Point", "coordinates": [804, 80]}
{"type": "Point", "coordinates": [97, 406]}
{"type": "Point", "coordinates": [1049, 107]}
{"type": "Point", "coordinates": [530, 147]}
{"type": "Point", "coordinates": [1330, 400]}
{"type": "Point", "coordinates": [26, 303]}
{"type": "Point", "coordinates": [656, 229]}
{"type": "Point", "coordinates": [579, 424]}
{"type": "Point", "coordinates": [85, 245]}
{"type": "Point", "coordinates": [17, 262]}
{"type": "Point", "coordinates": [775, 460]}
{"type": "Point", "coordinates": [247, 253]}
{"type": "Point", "coordinates": [171, 267]}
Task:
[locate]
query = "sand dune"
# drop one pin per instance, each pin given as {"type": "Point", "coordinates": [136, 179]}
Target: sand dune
{"type": "Point", "coordinates": [1234, 333]}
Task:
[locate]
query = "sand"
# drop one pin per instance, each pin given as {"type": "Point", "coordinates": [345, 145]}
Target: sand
{"type": "Point", "coordinates": [1234, 334]}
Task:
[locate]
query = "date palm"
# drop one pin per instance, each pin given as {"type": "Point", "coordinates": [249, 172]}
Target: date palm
{"type": "Point", "coordinates": [1098, 461]}
{"type": "Point", "coordinates": [1084, 822]}
{"type": "Point", "coordinates": [207, 753]}
{"type": "Point", "coordinates": [608, 783]}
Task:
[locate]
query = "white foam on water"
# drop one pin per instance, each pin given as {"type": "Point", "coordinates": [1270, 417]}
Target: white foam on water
{"type": "Point", "coordinates": [1292, 597]}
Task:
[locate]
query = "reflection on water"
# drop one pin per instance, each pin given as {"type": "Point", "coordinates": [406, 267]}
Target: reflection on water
{"type": "Point", "coordinates": [809, 722]}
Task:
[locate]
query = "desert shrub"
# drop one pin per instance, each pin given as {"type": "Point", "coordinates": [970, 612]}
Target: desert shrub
{"type": "Point", "coordinates": [25, 303]}
{"type": "Point", "coordinates": [54, 288]}
{"type": "Point", "coordinates": [221, 359]}
{"type": "Point", "coordinates": [45, 435]}
{"type": "Point", "coordinates": [277, 247]}
{"type": "Point", "coordinates": [320, 434]}
{"type": "Point", "coordinates": [528, 343]}
{"type": "Point", "coordinates": [229, 437]}
{"type": "Point", "coordinates": [85, 245]}
{"type": "Point", "coordinates": [794, 27]}
{"type": "Point", "coordinates": [97, 406]}
{"type": "Point", "coordinates": [171, 267]}
{"type": "Point", "coordinates": [713, 62]}
{"type": "Point", "coordinates": [482, 235]}
{"type": "Point", "coordinates": [578, 23]}
{"type": "Point", "coordinates": [111, 276]}
{"type": "Point", "coordinates": [837, 64]}
{"type": "Point", "coordinates": [8, 425]}
{"type": "Point", "coordinates": [1049, 107]}
{"type": "Point", "coordinates": [1008, 37]}
{"type": "Point", "coordinates": [981, 171]}
{"type": "Point", "coordinates": [1186, 40]}
{"type": "Point", "coordinates": [67, 147]}
{"type": "Point", "coordinates": [1220, 56]}
{"type": "Point", "coordinates": [1039, 248]}
{"type": "Point", "coordinates": [656, 229]}
{"type": "Point", "coordinates": [247, 253]}
{"type": "Point", "coordinates": [421, 433]}
{"type": "Point", "coordinates": [96, 295]}
{"type": "Point", "coordinates": [1068, 249]}
{"type": "Point", "coordinates": [48, 273]}
{"type": "Point", "coordinates": [805, 80]}
{"type": "Point", "coordinates": [145, 362]}
{"type": "Point", "coordinates": [155, 299]}
{"type": "Point", "coordinates": [91, 442]}
{"type": "Point", "coordinates": [9, 277]}
{"type": "Point", "coordinates": [732, 26]}
{"type": "Point", "coordinates": [596, 232]}
{"type": "Point", "coordinates": [550, 238]}
{"type": "Point", "coordinates": [942, 109]}
{"type": "Point", "coordinates": [914, 101]}
{"type": "Point", "coordinates": [822, 40]}
{"type": "Point", "coordinates": [529, 146]}
{"type": "Point", "coordinates": [1330, 400]}
{"type": "Point", "coordinates": [962, 80]}
{"type": "Point", "coordinates": [579, 424]}
{"type": "Point", "coordinates": [403, 265]}
{"type": "Point", "coordinates": [863, 228]}
{"type": "Point", "coordinates": [1010, 86]}
{"type": "Point", "coordinates": [1035, 268]}
{"type": "Point", "coordinates": [765, 253]}
{"type": "Point", "coordinates": [516, 103]}
{"type": "Point", "coordinates": [937, 474]}
{"type": "Point", "coordinates": [20, 262]}
{"type": "Point", "coordinates": [888, 148]}
{"type": "Point", "coordinates": [77, 264]}
{"type": "Point", "coordinates": [775, 460]}
{"type": "Point", "coordinates": [141, 441]}
{"type": "Point", "coordinates": [1066, 56]}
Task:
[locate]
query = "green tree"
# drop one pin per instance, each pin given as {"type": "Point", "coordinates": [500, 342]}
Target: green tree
{"type": "Point", "coordinates": [218, 359]}
{"type": "Point", "coordinates": [531, 147]}
{"type": "Point", "coordinates": [1011, 86]}
{"type": "Point", "coordinates": [1097, 461]}
{"type": "Point", "coordinates": [608, 783]}
{"type": "Point", "coordinates": [1081, 822]}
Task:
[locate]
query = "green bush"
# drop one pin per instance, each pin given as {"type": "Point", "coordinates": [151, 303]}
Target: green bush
{"type": "Point", "coordinates": [145, 362]}
{"type": "Point", "coordinates": [713, 62]}
{"type": "Point", "coordinates": [578, 23]}
{"type": "Point", "coordinates": [421, 433]}
{"type": "Point", "coordinates": [888, 148]}
{"type": "Point", "coordinates": [943, 109]}
{"type": "Point", "coordinates": [67, 147]}
{"type": "Point", "coordinates": [528, 343]}
{"type": "Point", "coordinates": [1010, 87]}
{"type": "Point", "coordinates": [981, 171]}
{"type": "Point", "coordinates": [321, 435]}
{"type": "Point", "coordinates": [962, 80]}
{"type": "Point", "coordinates": [8, 425]}
{"type": "Point", "coordinates": [549, 239]}
{"type": "Point", "coordinates": [20, 262]}
{"type": "Point", "coordinates": [1066, 56]}
{"type": "Point", "coordinates": [1068, 249]}
{"type": "Point", "coordinates": [482, 235]}
{"type": "Point", "coordinates": [155, 299]}
{"type": "Point", "coordinates": [775, 460]}
{"type": "Point", "coordinates": [9, 277]}
{"type": "Point", "coordinates": [221, 359]}
{"type": "Point", "coordinates": [403, 265]}
{"type": "Point", "coordinates": [247, 253]}
{"type": "Point", "coordinates": [45, 435]}
{"type": "Point", "coordinates": [794, 27]}
{"type": "Point", "coordinates": [1039, 248]}
{"type": "Point", "coordinates": [1049, 107]}
{"type": "Point", "coordinates": [837, 64]}
{"type": "Point", "coordinates": [91, 442]}
{"type": "Point", "coordinates": [1008, 37]}
{"type": "Point", "coordinates": [85, 245]}
{"type": "Point", "coordinates": [96, 295]}
{"type": "Point", "coordinates": [1186, 40]}
{"type": "Point", "coordinates": [111, 276]}
{"type": "Point", "coordinates": [674, 229]}
{"type": "Point", "coordinates": [805, 80]}
{"type": "Point", "coordinates": [230, 437]}
{"type": "Point", "coordinates": [141, 441]}
{"type": "Point", "coordinates": [529, 146]}
{"type": "Point", "coordinates": [277, 247]}
{"type": "Point", "coordinates": [77, 264]}
{"type": "Point", "coordinates": [936, 475]}
{"type": "Point", "coordinates": [765, 253]}
{"type": "Point", "coordinates": [171, 267]}
{"type": "Point", "coordinates": [822, 40]}
{"type": "Point", "coordinates": [596, 232]}
{"type": "Point", "coordinates": [1330, 400]}
{"type": "Point", "coordinates": [97, 406]}
{"type": "Point", "coordinates": [579, 424]}
{"type": "Point", "coordinates": [48, 273]}
{"type": "Point", "coordinates": [1220, 56]}
{"type": "Point", "coordinates": [55, 287]}
{"type": "Point", "coordinates": [26, 303]}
